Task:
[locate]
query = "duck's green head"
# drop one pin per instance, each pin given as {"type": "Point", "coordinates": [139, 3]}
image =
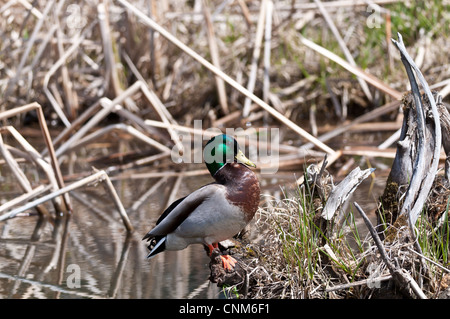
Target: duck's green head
{"type": "Point", "coordinates": [222, 149]}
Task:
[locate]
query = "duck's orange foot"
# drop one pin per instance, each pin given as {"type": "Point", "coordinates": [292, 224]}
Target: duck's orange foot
{"type": "Point", "coordinates": [228, 262]}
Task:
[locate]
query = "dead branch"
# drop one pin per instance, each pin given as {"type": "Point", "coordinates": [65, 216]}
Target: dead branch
{"type": "Point", "coordinates": [372, 80]}
{"type": "Point", "coordinates": [343, 46]}
{"type": "Point", "coordinates": [423, 173]}
{"type": "Point", "coordinates": [400, 275]}
{"type": "Point", "coordinates": [343, 190]}
{"type": "Point", "coordinates": [418, 149]}
{"type": "Point", "coordinates": [255, 57]}
{"type": "Point", "coordinates": [64, 203]}
{"type": "Point", "coordinates": [152, 24]}
{"type": "Point", "coordinates": [215, 57]}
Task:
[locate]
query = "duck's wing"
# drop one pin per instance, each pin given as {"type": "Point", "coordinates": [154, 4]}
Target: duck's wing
{"type": "Point", "coordinates": [172, 206]}
{"type": "Point", "coordinates": [179, 210]}
{"type": "Point", "coordinates": [169, 209]}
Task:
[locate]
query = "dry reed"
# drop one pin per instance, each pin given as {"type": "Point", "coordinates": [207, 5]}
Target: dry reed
{"type": "Point", "coordinates": [141, 69]}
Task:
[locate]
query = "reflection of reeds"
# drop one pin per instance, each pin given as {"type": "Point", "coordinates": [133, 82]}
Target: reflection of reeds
{"type": "Point", "coordinates": [52, 171]}
{"type": "Point", "coordinates": [54, 174]}
{"type": "Point", "coordinates": [100, 176]}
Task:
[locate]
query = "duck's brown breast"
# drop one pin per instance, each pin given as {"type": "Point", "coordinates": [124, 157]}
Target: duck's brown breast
{"type": "Point", "coordinates": [243, 188]}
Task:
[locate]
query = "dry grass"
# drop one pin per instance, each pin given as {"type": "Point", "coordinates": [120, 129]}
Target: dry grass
{"type": "Point", "coordinates": [291, 257]}
{"type": "Point", "coordinates": [67, 56]}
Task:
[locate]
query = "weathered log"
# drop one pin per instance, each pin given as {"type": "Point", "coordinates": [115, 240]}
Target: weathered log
{"type": "Point", "coordinates": [402, 167]}
{"type": "Point", "coordinates": [445, 127]}
{"type": "Point", "coordinates": [415, 166]}
{"type": "Point", "coordinates": [342, 192]}
{"type": "Point", "coordinates": [405, 159]}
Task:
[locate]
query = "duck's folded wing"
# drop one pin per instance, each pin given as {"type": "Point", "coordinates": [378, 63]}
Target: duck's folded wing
{"type": "Point", "coordinates": [176, 213]}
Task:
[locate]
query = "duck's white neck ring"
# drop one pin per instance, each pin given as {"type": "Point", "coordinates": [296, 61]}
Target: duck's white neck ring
{"type": "Point", "coordinates": [219, 169]}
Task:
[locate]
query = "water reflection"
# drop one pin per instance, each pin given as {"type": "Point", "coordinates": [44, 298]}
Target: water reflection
{"type": "Point", "coordinates": [90, 255]}
{"type": "Point", "coordinates": [38, 256]}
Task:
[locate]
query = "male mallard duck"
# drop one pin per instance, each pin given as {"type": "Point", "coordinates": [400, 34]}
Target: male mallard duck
{"type": "Point", "coordinates": [216, 211]}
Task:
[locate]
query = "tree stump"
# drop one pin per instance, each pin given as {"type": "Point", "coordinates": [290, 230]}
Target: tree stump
{"type": "Point", "coordinates": [406, 158]}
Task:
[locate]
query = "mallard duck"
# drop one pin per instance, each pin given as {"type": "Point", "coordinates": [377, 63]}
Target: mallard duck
{"type": "Point", "coordinates": [214, 212]}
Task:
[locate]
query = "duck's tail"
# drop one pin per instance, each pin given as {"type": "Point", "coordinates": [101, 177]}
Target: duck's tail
{"type": "Point", "coordinates": [157, 245]}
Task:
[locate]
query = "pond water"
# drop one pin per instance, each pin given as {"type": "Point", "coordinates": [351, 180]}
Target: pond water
{"type": "Point", "coordinates": [90, 255]}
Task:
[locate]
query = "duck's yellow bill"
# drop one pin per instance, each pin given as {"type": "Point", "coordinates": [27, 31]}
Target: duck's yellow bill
{"type": "Point", "coordinates": [244, 160]}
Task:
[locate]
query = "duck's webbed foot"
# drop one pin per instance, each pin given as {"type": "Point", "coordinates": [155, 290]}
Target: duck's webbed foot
{"type": "Point", "coordinates": [226, 271]}
{"type": "Point", "coordinates": [228, 262]}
